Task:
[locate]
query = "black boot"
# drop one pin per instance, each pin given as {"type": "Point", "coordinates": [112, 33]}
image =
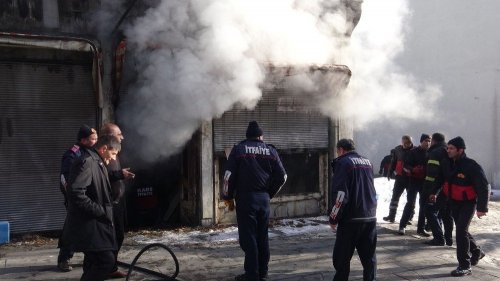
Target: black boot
{"type": "Point", "coordinates": [391, 217]}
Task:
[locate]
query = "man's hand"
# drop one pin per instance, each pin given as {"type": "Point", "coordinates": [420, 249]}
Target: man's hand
{"type": "Point", "coordinates": [127, 174]}
{"type": "Point", "coordinates": [333, 227]}
{"type": "Point", "coordinates": [432, 198]}
{"type": "Point", "coordinates": [480, 214]}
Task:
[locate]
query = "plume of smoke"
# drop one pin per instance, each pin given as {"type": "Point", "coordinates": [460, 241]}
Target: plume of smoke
{"type": "Point", "coordinates": [197, 59]}
{"type": "Point", "coordinates": [379, 89]}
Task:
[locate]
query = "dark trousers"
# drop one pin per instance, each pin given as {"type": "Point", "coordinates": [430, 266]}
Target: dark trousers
{"type": "Point", "coordinates": [439, 216]}
{"type": "Point", "coordinates": [463, 211]}
{"type": "Point", "coordinates": [65, 252]}
{"type": "Point", "coordinates": [97, 265]}
{"type": "Point", "coordinates": [252, 213]}
{"type": "Point", "coordinates": [363, 238]}
{"type": "Point", "coordinates": [400, 185]}
{"type": "Point", "coordinates": [119, 215]}
{"type": "Point", "coordinates": [414, 188]}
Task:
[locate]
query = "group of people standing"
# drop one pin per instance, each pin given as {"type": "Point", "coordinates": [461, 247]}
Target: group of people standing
{"type": "Point", "coordinates": [451, 187]}
{"type": "Point", "coordinates": [92, 185]}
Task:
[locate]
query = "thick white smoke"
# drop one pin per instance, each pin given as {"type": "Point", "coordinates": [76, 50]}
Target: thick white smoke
{"type": "Point", "coordinates": [196, 59]}
{"type": "Point", "coordinates": [379, 90]}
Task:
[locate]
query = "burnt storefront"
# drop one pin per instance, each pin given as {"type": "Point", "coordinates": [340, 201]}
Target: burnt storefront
{"type": "Point", "coordinates": [58, 71]}
{"type": "Point", "coordinates": [301, 134]}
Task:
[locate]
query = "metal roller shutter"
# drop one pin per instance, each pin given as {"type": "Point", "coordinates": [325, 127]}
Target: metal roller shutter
{"type": "Point", "coordinates": [42, 105]}
{"type": "Point", "coordinates": [287, 121]}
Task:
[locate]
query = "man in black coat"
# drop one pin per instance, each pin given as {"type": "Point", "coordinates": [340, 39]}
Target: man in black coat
{"type": "Point", "coordinates": [354, 211]}
{"type": "Point", "coordinates": [90, 213]}
{"type": "Point", "coordinates": [116, 176]}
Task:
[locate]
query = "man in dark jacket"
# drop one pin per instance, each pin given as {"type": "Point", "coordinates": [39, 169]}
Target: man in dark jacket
{"type": "Point", "coordinates": [436, 209]}
{"type": "Point", "coordinates": [86, 137]}
{"type": "Point", "coordinates": [354, 211]}
{"type": "Point", "coordinates": [415, 166]}
{"type": "Point", "coordinates": [116, 176]}
{"type": "Point", "coordinates": [90, 213]}
{"type": "Point", "coordinates": [253, 176]}
{"type": "Point", "coordinates": [402, 178]}
{"type": "Point", "coordinates": [384, 165]}
{"type": "Point", "coordinates": [466, 187]}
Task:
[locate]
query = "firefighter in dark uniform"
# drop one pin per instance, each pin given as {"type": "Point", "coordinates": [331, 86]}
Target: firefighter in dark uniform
{"type": "Point", "coordinates": [402, 178]}
{"type": "Point", "coordinates": [467, 188]}
{"type": "Point", "coordinates": [353, 215]}
{"type": "Point", "coordinates": [253, 176]}
{"type": "Point", "coordinates": [437, 210]}
{"type": "Point", "coordinates": [86, 138]}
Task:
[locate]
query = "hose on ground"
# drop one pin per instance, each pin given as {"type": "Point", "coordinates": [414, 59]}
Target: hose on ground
{"type": "Point", "coordinates": [131, 267]}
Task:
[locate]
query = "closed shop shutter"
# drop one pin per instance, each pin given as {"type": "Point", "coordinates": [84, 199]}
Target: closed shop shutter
{"type": "Point", "coordinates": [287, 121]}
{"type": "Point", "coordinates": [42, 105]}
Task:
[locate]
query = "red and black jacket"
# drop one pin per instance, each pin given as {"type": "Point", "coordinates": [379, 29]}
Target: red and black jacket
{"type": "Point", "coordinates": [398, 159]}
{"type": "Point", "coordinates": [415, 163]}
{"type": "Point", "coordinates": [465, 181]}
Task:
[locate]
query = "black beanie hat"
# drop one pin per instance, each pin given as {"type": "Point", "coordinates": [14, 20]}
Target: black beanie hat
{"type": "Point", "coordinates": [424, 137]}
{"type": "Point", "coordinates": [437, 137]}
{"type": "Point", "coordinates": [85, 131]}
{"type": "Point", "coordinates": [457, 142]}
{"type": "Point", "coordinates": [253, 130]}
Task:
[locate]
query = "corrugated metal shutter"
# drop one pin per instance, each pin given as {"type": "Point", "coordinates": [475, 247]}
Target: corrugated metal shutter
{"type": "Point", "coordinates": [287, 121]}
{"type": "Point", "coordinates": [42, 105]}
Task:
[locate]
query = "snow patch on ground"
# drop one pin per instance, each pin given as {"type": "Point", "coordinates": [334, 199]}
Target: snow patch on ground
{"type": "Point", "coordinates": [280, 228]}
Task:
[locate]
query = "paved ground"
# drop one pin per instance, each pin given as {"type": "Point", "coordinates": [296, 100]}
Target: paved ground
{"type": "Point", "coordinates": [306, 257]}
